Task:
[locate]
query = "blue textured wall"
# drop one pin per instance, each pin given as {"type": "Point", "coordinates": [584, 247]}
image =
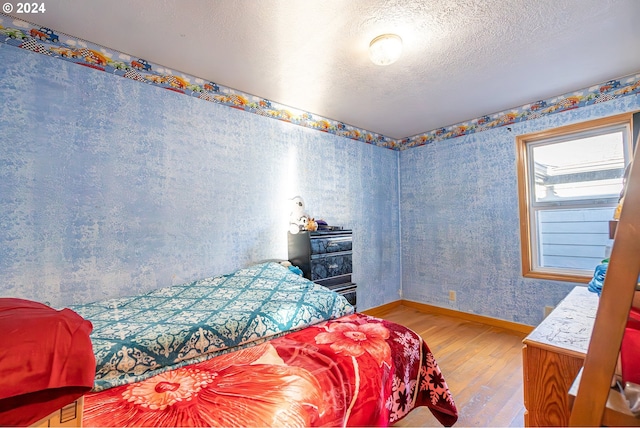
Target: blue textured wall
{"type": "Point", "coordinates": [459, 217]}
{"type": "Point", "coordinates": [112, 187]}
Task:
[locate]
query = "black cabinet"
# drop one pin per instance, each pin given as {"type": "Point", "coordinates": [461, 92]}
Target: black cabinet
{"type": "Point", "coordinates": [325, 257]}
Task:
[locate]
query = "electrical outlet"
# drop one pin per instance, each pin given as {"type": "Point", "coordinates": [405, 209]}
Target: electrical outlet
{"type": "Point", "coordinates": [548, 310]}
{"type": "Point", "coordinates": [452, 296]}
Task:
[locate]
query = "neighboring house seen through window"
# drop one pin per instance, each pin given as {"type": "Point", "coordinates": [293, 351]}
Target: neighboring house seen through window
{"type": "Point", "coordinates": [569, 182]}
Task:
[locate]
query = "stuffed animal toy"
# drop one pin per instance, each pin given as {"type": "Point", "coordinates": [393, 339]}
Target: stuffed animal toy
{"type": "Point", "coordinates": [311, 225]}
{"type": "Point", "coordinates": [298, 218]}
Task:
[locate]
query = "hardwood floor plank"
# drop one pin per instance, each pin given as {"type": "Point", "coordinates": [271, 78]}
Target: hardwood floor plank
{"type": "Point", "coordinates": [503, 399]}
{"type": "Point", "coordinates": [512, 413]}
{"type": "Point", "coordinates": [482, 365]}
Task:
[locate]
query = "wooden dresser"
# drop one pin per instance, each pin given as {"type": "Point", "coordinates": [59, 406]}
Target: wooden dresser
{"type": "Point", "coordinates": [552, 356]}
{"type": "Point", "coordinates": [68, 416]}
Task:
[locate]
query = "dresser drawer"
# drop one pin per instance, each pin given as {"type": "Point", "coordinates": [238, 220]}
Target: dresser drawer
{"type": "Point", "coordinates": [349, 293]}
{"type": "Point", "coordinates": [332, 244]}
{"type": "Point", "coordinates": [327, 266]}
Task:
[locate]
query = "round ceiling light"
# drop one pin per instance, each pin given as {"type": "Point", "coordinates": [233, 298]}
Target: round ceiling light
{"type": "Point", "coordinates": [385, 49]}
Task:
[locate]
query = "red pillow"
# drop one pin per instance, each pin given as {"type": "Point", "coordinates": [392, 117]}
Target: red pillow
{"type": "Point", "coordinates": [634, 318]}
{"type": "Point", "coordinates": [630, 349]}
{"type": "Point", "coordinates": [46, 360]}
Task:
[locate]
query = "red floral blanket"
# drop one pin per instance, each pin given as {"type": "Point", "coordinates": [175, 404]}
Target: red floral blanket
{"type": "Point", "coordinates": [353, 371]}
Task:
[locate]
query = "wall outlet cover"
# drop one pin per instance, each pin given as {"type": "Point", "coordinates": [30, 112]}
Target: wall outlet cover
{"type": "Point", "coordinates": [548, 310]}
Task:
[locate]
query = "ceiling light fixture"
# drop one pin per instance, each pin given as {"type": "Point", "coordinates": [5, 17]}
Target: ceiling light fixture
{"type": "Point", "coordinates": [385, 49]}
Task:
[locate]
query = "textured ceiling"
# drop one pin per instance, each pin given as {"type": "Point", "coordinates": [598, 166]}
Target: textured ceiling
{"type": "Point", "coordinates": [462, 59]}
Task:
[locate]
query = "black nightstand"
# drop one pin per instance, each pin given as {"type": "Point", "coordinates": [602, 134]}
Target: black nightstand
{"type": "Point", "coordinates": [325, 258]}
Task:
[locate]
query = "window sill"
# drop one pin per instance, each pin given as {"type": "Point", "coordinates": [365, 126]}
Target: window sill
{"type": "Point", "coordinates": [583, 279]}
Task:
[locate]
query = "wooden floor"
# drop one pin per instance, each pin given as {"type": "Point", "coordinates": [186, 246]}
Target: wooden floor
{"type": "Point", "coordinates": [481, 364]}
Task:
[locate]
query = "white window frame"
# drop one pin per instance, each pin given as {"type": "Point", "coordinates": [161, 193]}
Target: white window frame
{"type": "Point", "coordinates": [526, 198]}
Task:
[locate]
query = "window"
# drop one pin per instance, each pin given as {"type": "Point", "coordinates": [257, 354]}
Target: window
{"type": "Point", "coordinates": [569, 183]}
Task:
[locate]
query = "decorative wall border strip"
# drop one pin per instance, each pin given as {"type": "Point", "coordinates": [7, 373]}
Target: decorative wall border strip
{"type": "Point", "coordinates": [602, 92]}
{"type": "Point", "coordinates": [45, 41]}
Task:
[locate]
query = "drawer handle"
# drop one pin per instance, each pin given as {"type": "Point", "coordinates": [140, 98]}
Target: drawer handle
{"type": "Point", "coordinates": [332, 266]}
{"type": "Point", "coordinates": [332, 244]}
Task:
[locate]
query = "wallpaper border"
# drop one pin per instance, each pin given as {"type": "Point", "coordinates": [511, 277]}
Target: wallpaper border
{"type": "Point", "coordinates": [49, 42]}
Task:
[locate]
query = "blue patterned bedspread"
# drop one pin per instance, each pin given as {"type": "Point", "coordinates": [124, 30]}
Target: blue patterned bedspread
{"type": "Point", "coordinates": [141, 336]}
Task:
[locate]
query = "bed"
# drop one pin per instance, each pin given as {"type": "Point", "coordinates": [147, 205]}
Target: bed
{"type": "Point", "coordinates": [261, 346]}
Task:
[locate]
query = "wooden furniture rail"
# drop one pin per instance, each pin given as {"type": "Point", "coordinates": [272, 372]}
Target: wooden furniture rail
{"type": "Point", "coordinates": [593, 388]}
